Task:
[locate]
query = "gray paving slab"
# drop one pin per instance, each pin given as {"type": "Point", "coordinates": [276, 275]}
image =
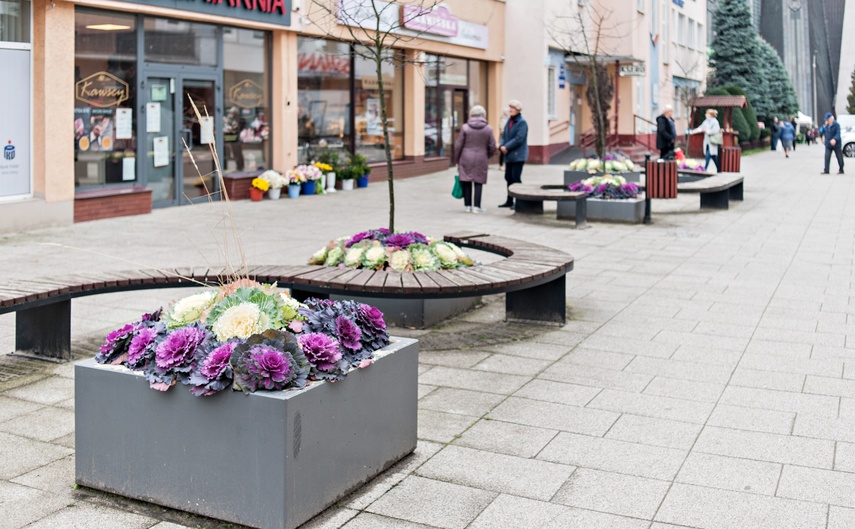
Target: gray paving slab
{"type": "Point", "coordinates": [613, 493]}
{"type": "Point", "coordinates": [730, 473]}
{"type": "Point", "coordinates": [816, 485]}
{"type": "Point", "coordinates": [506, 438]}
{"type": "Point", "coordinates": [752, 419]}
{"type": "Point", "coordinates": [461, 401]}
{"type": "Point", "coordinates": [554, 416]}
{"type": "Point", "coordinates": [684, 389]}
{"type": "Point", "coordinates": [652, 406]}
{"type": "Point", "coordinates": [548, 390]}
{"type": "Point", "coordinates": [817, 453]}
{"type": "Point", "coordinates": [841, 518]}
{"type": "Point", "coordinates": [653, 431]}
{"type": "Point", "coordinates": [596, 376]}
{"type": "Point", "coordinates": [513, 512]}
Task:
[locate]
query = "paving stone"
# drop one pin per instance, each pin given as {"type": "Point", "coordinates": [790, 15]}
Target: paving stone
{"type": "Point", "coordinates": [788, 323]}
{"type": "Point", "coordinates": [741, 475]}
{"type": "Point", "coordinates": [10, 408]}
{"type": "Point", "coordinates": [707, 355]}
{"type": "Point", "coordinates": [614, 456]}
{"type": "Point", "coordinates": [434, 503]}
{"type": "Point", "coordinates": [632, 347]}
{"type": "Point", "coordinates": [778, 348]}
{"type": "Point", "coordinates": [473, 380]}
{"type": "Point", "coordinates": [19, 455]}
{"type": "Point", "coordinates": [527, 478]}
{"type": "Point", "coordinates": [844, 457]}
{"type": "Point", "coordinates": [513, 365]}
{"type": "Point", "coordinates": [613, 493]}
{"type": "Point", "coordinates": [684, 389]}
{"type": "Point", "coordinates": [46, 391]}
{"type": "Point", "coordinates": [847, 408]}
{"type": "Point", "coordinates": [825, 428]}
{"type": "Point", "coordinates": [820, 352]}
{"type": "Point", "coordinates": [542, 351]}
{"type": "Point", "coordinates": [459, 359]}
{"type": "Point", "coordinates": [830, 386]}
{"type": "Point", "coordinates": [561, 337]}
{"type": "Point", "coordinates": [596, 358]}
{"type": "Point", "coordinates": [841, 518]}
{"type": "Point", "coordinates": [656, 432]}
{"type": "Point", "coordinates": [752, 419]}
{"type": "Point", "coordinates": [652, 406]}
{"type": "Point", "coordinates": [56, 477]}
{"type": "Point", "coordinates": [767, 399]}
{"type": "Point", "coordinates": [572, 394]}
{"type": "Point", "coordinates": [821, 486]}
{"type": "Point", "coordinates": [574, 518]}
{"type": "Point", "coordinates": [170, 525]}
{"type": "Point", "coordinates": [424, 450]}
{"type": "Point", "coordinates": [85, 515]}
{"type": "Point", "coordinates": [424, 390]}
{"type": "Point", "coordinates": [724, 329]}
{"type": "Point", "coordinates": [506, 438]}
{"type": "Point", "coordinates": [513, 512]}
{"type": "Point", "coordinates": [442, 427]}
{"type": "Point", "coordinates": [21, 505]}
{"type": "Point", "coordinates": [45, 424]}
{"type": "Point", "coordinates": [766, 447]}
{"type": "Point", "coordinates": [719, 509]}
{"type": "Point", "coordinates": [801, 366]}
{"type": "Point", "coordinates": [596, 376]}
{"type": "Point", "coordinates": [460, 401]}
{"type": "Point", "coordinates": [366, 520]}
{"type": "Point", "coordinates": [680, 369]}
{"type": "Point", "coordinates": [705, 340]}
{"type": "Point", "coordinates": [554, 416]}
{"type": "Point", "coordinates": [753, 378]}
{"type": "Point", "coordinates": [812, 338]}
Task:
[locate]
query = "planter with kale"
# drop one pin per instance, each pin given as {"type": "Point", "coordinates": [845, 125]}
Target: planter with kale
{"type": "Point", "coordinates": [245, 406]}
{"type": "Point", "coordinates": [610, 198]}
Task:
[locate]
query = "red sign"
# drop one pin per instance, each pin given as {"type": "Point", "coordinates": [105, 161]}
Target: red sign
{"type": "Point", "coordinates": [337, 65]}
{"type": "Point", "coordinates": [265, 6]}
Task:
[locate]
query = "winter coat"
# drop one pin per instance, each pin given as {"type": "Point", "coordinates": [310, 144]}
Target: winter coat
{"type": "Point", "coordinates": [708, 127]}
{"type": "Point", "coordinates": [665, 137]}
{"type": "Point", "coordinates": [788, 133]}
{"type": "Point", "coordinates": [515, 139]}
{"type": "Point", "coordinates": [473, 149]}
{"type": "Point", "coordinates": [832, 132]}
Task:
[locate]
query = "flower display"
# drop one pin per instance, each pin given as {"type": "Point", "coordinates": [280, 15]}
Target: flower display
{"type": "Point", "coordinates": [260, 183]}
{"type": "Point", "coordinates": [295, 178]}
{"type": "Point", "coordinates": [274, 179]}
{"type": "Point", "coordinates": [323, 167]}
{"type": "Point", "coordinates": [614, 162]}
{"type": "Point", "coordinates": [611, 187]}
{"type": "Point", "coordinates": [305, 173]}
{"type": "Point", "coordinates": [381, 249]}
{"type": "Point", "coordinates": [251, 337]}
{"type": "Point", "coordinates": [691, 164]}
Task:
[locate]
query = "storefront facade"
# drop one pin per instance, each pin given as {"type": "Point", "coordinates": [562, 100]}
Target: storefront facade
{"type": "Point", "coordinates": [271, 85]}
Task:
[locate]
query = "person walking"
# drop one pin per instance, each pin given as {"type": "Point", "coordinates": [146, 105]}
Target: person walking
{"type": "Point", "coordinates": [666, 134]}
{"type": "Point", "coordinates": [795, 125]}
{"type": "Point", "coordinates": [832, 143]}
{"type": "Point", "coordinates": [712, 138]}
{"type": "Point", "coordinates": [514, 147]}
{"type": "Point", "coordinates": [788, 134]}
{"type": "Point", "coordinates": [473, 149]}
{"type": "Point", "coordinates": [776, 133]}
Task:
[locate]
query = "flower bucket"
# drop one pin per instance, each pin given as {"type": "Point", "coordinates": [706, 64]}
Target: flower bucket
{"type": "Point", "coordinates": [330, 182]}
{"type": "Point", "coordinates": [274, 193]}
{"type": "Point", "coordinates": [293, 190]}
{"type": "Point", "coordinates": [347, 185]}
{"type": "Point", "coordinates": [308, 188]}
{"type": "Point", "coordinates": [362, 181]}
{"type": "Point", "coordinates": [255, 194]}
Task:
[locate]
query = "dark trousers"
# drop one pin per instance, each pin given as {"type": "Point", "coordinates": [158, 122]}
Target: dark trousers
{"type": "Point", "coordinates": [713, 157]}
{"type": "Point", "coordinates": [774, 142]}
{"type": "Point", "coordinates": [838, 151]}
{"type": "Point", "coordinates": [467, 193]}
{"type": "Point", "coordinates": [513, 175]}
{"type": "Point", "coordinates": [667, 153]}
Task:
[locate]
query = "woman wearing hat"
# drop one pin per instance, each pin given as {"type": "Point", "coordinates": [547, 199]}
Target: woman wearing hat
{"type": "Point", "coordinates": [712, 138]}
{"type": "Point", "coordinates": [514, 147]}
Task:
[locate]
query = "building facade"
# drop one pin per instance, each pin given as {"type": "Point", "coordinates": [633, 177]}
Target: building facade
{"type": "Point", "coordinates": [654, 49]}
{"type": "Point", "coordinates": [152, 86]}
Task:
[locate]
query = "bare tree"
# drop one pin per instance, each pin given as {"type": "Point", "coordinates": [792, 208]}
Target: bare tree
{"type": "Point", "coordinates": [585, 35]}
{"type": "Point", "coordinates": [686, 67]}
{"type": "Point", "coordinates": [377, 27]}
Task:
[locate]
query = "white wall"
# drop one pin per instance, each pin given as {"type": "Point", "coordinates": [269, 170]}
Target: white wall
{"type": "Point", "coordinates": [525, 64]}
{"type": "Point", "coordinates": [847, 59]}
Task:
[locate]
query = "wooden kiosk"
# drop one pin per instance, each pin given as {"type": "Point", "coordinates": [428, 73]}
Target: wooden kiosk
{"type": "Point", "coordinates": [725, 105]}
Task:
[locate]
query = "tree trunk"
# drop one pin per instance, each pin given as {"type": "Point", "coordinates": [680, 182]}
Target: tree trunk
{"type": "Point", "coordinates": [387, 147]}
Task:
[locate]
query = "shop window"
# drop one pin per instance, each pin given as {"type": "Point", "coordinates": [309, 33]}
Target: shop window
{"type": "Point", "coordinates": [453, 71]}
{"type": "Point", "coordinates": [246, 83]}
{"type": "Point", "coordinates": [323, 91]}
{"type": "Point", "coordinates": [105, 66]}
{"type": "Point", "coordinates": [15, 21]}
{"type": "Point", "coordinates": [368, 125]}
{"type": "Point", "coordinates": [477, 83]}
{"type": "Point", "coordinates": [170, 41]}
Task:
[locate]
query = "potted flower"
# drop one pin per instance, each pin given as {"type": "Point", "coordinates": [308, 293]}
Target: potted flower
{"type": "Point", "coordinates": [259, 187]}
{"type": "Point", "coordinates": [330, 158]}
{"type": "Point", "coordinates": [359, 166]}
{"type": "Point", "coordinates": [275, 180]}
{"type": "Point", "coordinates": [295, 180]}
{"type": "Point", "coordinates": [327, 182]}
{"type": "Point", "coordinates": [346, 175]}
{"type": "Point", "coordinates": [310, 175]}
{"type": "Point", "coordinates": [609, 197]}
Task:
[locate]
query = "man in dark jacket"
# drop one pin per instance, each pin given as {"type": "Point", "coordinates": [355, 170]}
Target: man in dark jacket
{"type": "Point", "coordinates": [776, 132]}
{"type": "Point", "coordinates": [666, 134]}
{"type": "Point", "coordinates": [514, 147]}
{"type": "Point", "coordinates": [832, 143]}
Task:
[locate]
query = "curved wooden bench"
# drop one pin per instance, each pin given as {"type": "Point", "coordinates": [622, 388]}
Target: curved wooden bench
{"type": "Point", "coordinates": [716, 191]}
{"type": "Point", "coordinates": [529, 198]}
{"type": "Point", "coordinates": [531, 275]}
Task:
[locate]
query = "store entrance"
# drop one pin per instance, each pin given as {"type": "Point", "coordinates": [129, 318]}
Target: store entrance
{"type": "Point", "coordinates": [179, 163]}
{"type": "Point", "coordinates": [455, 112]}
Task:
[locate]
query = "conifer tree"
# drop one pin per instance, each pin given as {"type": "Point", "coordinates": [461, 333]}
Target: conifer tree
{"type": "Point", "coordinates": [781, 100]}
{"type": "Point", "coordinates": [850, 99]}
{"type": "Point", "coordinates": [734, 55]}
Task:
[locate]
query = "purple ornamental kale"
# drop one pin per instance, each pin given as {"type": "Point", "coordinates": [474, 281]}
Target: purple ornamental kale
{"type": "Point", "coordinates": [325, 356]}
{"type": "Point", "coordinates": [361, 236]}
{"type": "Point", "coordinates": [418, 237]}
{"type": "Point", "coordinates": [214, 373]}
{"type": "Point", "coordinates": [175, 358]}
{"type": "Point", "coordinates": [373, 326]}
{"type": "Point", "coordinates": [115, 345]}
{"type": "Point", "coordinates": [267, 368]}
{"type": "Point", "coordinates": [576, 186]}
{"type": "Point", "coordinates": [141, 349]}
{"type": "Point", "coordinates": [272, 360]}
{"type": "Point", "coordinates": [348, 333]}
{"type": "Point", "coordinates": [399, 240]}
{"type": "Point", "coordinates": [384, 231]}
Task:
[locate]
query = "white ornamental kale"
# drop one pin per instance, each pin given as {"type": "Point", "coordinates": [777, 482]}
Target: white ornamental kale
{"type": "Point", "coordinates": [190, 309]}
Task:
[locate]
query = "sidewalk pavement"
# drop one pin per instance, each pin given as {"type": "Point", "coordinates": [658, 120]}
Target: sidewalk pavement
{"type": "Point", "coordinates": [706, 377]}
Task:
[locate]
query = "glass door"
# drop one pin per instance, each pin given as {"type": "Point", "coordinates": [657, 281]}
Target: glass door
{"type": "Point", "coordinates": [457, 114]}
{"type": "Point", "coordinates": [179, 164]}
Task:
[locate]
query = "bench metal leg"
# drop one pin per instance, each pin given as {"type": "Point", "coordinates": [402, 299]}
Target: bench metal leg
{"type": "Point", "coordinates": [528, 206]}
{"type": "Point", "coordinates": [45, 331]}
{"type": "Point", "coordinates": [303, 295]}
{"type": "Point", "coordinates": [546, 303]}
{"type": "Point", "coordinates": [581, 213]}
{"type": "Point", "coordinates": [736, 192]}
{"type": "Point", "coordinates": [716, 200]}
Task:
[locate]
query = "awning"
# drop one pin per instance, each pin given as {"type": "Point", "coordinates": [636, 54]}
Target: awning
{"type": "Point", "coordinates": [719, 102]}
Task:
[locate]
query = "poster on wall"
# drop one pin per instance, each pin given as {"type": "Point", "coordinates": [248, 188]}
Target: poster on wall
{"type": "Point", "coordinates": [15, 125]}
{"type": "Point", "coordinates": [93, 129]}
{"type": "Point", "coordinates": [372, 117]}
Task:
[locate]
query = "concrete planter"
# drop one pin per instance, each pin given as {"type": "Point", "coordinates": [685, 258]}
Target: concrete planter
{"type": "Point", "coordinates": [628, 210]}
{"type": "Point", "coordinates": [416, 313]}
{"type": "Point", "coordinates": [269, 460]}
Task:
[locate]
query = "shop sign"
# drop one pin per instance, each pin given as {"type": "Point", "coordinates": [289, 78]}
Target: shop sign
{"type": "Point", "coordinates": [679, 2]}
{"type": "Point", "coordinates": [246, 94]}
{"type": "Point", "coordinates": [102, 90]}
{"type": "Point", "coordinates": [15, 125]}
{"type": "Point", "coordinates": [438, 21]}
{"type": "Point", "coordinates": [323, 63]}
{"type": "Point", "coordinates": [632, 70]}
{"type": "Point", "coordinates": [268, 11]}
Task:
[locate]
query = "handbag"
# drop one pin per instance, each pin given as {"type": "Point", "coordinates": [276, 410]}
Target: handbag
{"type": "Point", "coordinates": [457, 191]}
{"type": "Point", "coordinates": [716, 138]}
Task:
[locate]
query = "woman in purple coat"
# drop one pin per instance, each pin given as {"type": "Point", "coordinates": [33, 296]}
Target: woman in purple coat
{"type": "Point", "coordinates": [473, 149]}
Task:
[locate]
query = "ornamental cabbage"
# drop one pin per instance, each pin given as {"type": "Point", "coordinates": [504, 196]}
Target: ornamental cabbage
{"type": "Point", "coordinates": [319, 257]}
{"type": "Point", "coordinates": [374, 257]}
{"type": "Point", "coordinates": [401, 261]}
{"type": "Point", "coordinates": [353, 256]}
{"type": "Point", "coordinates": [190, 309]}
{"type": "Point", "coordinates": [240, 321]}
{"type": "Point", "coordinates": [423, 259]}
{"type": "Point", "coordinates": [447, 257]}
{"type": "Point", "coordinates": [334, 256]}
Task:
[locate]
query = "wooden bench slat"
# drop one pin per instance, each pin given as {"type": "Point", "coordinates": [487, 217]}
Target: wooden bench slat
{"type": "Point", "coordinates": [464, 284]}
{"type": "Point", "coordinates": [376, 282]}
{"type": "Point", "coordinates": [323, 278]}
{"type": "Point", "coordinates": [394, 283]}
{"type": "Point", "coordinates": [490, 279]}
{"type": "Point", "coordinates": [428, 284]}
{"type": "Point", "coordinates": [358, 281]}
{"type": "Point", "coordinates": [410, 283]}
{"type": "Point", "coordinates": [445, 284]}
{"type": "Point", "coordinates": [342, 280]}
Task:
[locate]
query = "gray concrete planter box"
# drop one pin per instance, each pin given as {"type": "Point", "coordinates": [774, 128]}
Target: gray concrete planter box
{"type": "Point", "coordinates": [627, 210]}
{"type": "Point", "coordinates": [416, 313]}
{"type": "Point", "coordinates": [269, 460]}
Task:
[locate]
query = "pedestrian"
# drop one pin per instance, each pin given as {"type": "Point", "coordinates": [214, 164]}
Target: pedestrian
{"type": "Point", "coordinates": [832, 143]}
{"type": "Point", "coordinates": [514, 147]}
{"type": "Point", "coordinates": [788, 134]}
{"type": "Point", "coordinates": [502, 122]}
{"type": "Point", "coordinates": [795, 131]}
{"type": "Point", "coordinates": [776, 133]}
{"type": "Point", "coordinates": [666, 134]}
{"type": "Point", "coordinates": [712, 138]}
{"type": "Point", "coordinates": [473, 149]}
